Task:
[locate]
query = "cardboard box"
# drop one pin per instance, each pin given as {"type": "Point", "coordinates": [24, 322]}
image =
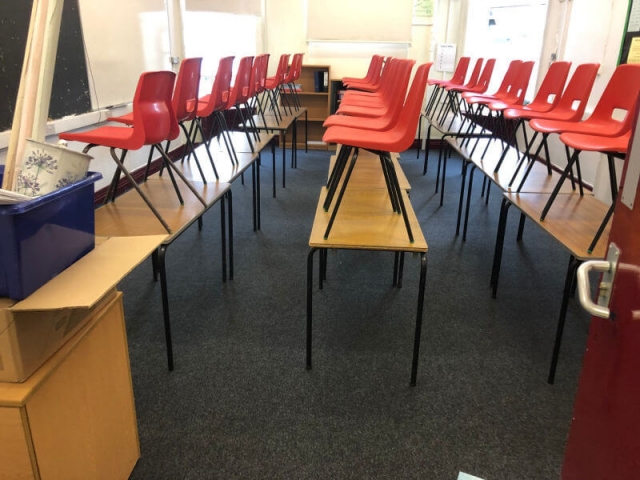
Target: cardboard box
{"type": "Point", "coordinates": [35, 328]}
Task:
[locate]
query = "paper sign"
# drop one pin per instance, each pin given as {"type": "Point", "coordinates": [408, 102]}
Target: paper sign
{"type": "Point", "coordinates": [445, 57]}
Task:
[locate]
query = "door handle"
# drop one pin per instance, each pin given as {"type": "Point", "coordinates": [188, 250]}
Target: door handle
{"type": "Point", "coordinates": [608, 267]}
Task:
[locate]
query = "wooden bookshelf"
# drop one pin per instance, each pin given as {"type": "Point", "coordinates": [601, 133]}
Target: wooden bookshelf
{"type": "Point", "coordinates": [314, 95]}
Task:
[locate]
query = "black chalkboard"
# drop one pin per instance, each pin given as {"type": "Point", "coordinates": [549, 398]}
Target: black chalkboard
{"type": "Point", "coordinates": [70, 90]}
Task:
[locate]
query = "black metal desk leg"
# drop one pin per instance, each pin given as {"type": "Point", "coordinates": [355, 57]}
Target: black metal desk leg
{"type": "Point", "coordinates": [258, 213]}
{"type": "Point", "coordinates": [566, 293]}
{"type": "Point", "coordinates": [497, 255]}
{"type": "Point", "coordinates": [165, 304]}
{"type": "Point", "coordinates": [230, 222]}
{"type": "Point", "coordinates": [154, 265]}
{"type": "Point", "coordinates": [223, 239]}
{"type": "Point", "coordinates": [273, 163]}
{"type": "Point", "coordinates": [253, 192]}
{"type": "Point", "coordinates": [418, 331]}
{"type": "Point", "coordinates": [309, 304]}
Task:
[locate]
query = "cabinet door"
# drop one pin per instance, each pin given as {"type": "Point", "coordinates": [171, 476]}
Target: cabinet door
{"type": "Point", "coordinates": [82, 418]}
{"type": "Point", "coordinates": [15, 462]}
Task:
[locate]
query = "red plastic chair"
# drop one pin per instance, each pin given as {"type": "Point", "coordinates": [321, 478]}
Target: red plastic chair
{"type": "Point", "coordinates": [153, 123]}
{"type": "Point", "coordinates": [374, 84]}
{"type": "Point", "coordinates": [620, 95]}
{"type": "Point", "coordinates": [570, 107]}
{"type": "Point", "coordinates": [213, 105]}
{"type": "Point", "coordinates": [546, 99]}
{"type": "Point", "coordinates": [239, 97]}
{"type": "Point", "coordinates": [185, 103]}
{"type": "Point", "coordinates": [292, 75]}
{"type": "Point", "coordinates": [259, 84]}
{"type": "Point", "coordinates": [373, 73]}
{"type": "Point", "coordinates": [396, 139]}
{"type": "Point", "coordinates": [380, 99]}
{"type": "Point", "coordinates": [457, 79]}
{"type": "Point", "coordinates": [612, 147]}
{"type": "Point", "coordinates": [390, 117]}
{"type": "Point", "coordinates": [274, 84]}
{"type": "Point", "coordinates": [371, 104]}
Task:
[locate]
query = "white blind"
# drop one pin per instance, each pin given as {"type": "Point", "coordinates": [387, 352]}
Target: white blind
{"type": "Point", "coordinates": [359, 20]}
{"type": "Point", "coordinates": [240, 7]}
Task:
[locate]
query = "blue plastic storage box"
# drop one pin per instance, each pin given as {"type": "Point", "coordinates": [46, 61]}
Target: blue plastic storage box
{"type": "Point", "coordinates": [39, 238]}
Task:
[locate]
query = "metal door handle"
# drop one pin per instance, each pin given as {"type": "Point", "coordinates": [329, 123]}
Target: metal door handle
{"type": "Point", "coordinates": [584, 287]}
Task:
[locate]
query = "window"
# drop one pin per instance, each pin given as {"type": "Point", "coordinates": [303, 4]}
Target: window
{"type": "Point", "coordinates": [506, 30]}
{"type": "Point", "coordinates": [213, 35]}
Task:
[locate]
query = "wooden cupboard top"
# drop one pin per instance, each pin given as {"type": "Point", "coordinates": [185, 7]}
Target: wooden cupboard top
{"type": "Point", "coordinates": [572, 220]}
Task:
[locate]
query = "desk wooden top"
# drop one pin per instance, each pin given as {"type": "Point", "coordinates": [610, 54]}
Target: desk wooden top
{"type": "Point", "coordinates": [572, 220]}
{"type": "Point", "coordinates": [366, 221]}
{"type": "Point", "coordinates": [538, 181]}
{"type": "Point", "coordinates": [227, 170]}
{"type": "Point", "coordinates": [367, 172]}
{"type": "Point", "coordinates": [241, 144]}
{"type": "Point", "coordinates": [279, 124]}
{"type": "Point", "coordinates": [129, 215]}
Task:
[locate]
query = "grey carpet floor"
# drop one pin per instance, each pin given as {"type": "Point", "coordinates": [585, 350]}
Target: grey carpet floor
{"type": "Point", "coordinates": [241, 405]}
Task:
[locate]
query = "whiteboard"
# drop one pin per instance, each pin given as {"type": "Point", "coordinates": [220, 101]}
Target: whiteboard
{"type": "Point", "coordinates": [120, 44]}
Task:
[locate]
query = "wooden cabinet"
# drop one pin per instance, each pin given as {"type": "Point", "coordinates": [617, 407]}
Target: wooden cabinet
{"type": "Point", "coordinates": [313, 89]}
{"type": "Point", "coordinates": [75, 416]}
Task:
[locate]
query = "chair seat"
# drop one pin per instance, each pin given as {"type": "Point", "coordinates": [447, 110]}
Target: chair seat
{"type": "Point", "coordinates": [127, 119]}
{"type": "Point", "coordinates": [604, 128]}
{"type": "Point", "coordinates": [597, 143]}
{"type": "Point", "coordinates": [525, 111]}
{"type": "Point", "coordinates": [385, 141]}
{"type": "Point", "coordinates": [108, 136]}
{"type": "Point", "coordinates": [378, 124]}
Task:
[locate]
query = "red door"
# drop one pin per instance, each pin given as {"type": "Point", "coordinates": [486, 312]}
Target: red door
{"type": "Point", "coordinates": [604, 439]}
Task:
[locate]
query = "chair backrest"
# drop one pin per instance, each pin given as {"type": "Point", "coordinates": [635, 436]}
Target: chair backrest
{"type": "Point", "coordinates": [296, 63]}
{"type": "Point", "coordinates": [375, 67]}
{"type": "Point", "coordinates": [281, 70]}
{"type": "Point", "coordinates": [618, 99]}
{"type": "Point", "coordinates": [259, 74]}
{"type": "Point", "coordinates": [509, 78]}
{"type": "Point", "coordinates": [485, 76]}
{"type": "Point", "coordinates": [410, 114]}
{"type": "Point", "coordinates": [573, 101]}
{"type": "Point", "coordinates": [241, 90]}
{"type": "Point", "coordinates": [402, 76]}
{"type": "Point", "coordinates": [219, 95]}
{"type": "Point", "coordinates": [475, 74]}
{"type": "Point", "coordinates": [518, 88]}
{"type": "Point", "coordinates": [154, 120]}
{"type": "Point", "coordinates": [483, 81]}
{"type": "Point", "coordinates": [298, 68]}
{"type": "Point", "coordinates": [185, 94]}
{"type": "Point", "coordinates": [550, 91]}
{"type": "Point", "coordinates": [460, 72]}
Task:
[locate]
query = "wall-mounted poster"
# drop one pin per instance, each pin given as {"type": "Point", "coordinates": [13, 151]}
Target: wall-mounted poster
{"type": "Point", "coordinates": [423, 12]}
{"type": "Point", "coordinates": [630, 51]}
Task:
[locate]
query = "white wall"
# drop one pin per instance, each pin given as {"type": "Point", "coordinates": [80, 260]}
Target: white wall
{"type": "Point", "coordinates": [593, 33]}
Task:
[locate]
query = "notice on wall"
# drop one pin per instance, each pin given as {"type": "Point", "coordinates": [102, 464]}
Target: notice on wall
{"type": "Point", "coordinates": [634, 18]}
{"type": "Point", "coordinates": [634, 51]}
{"type": "Point", "coordinates": [445, 57]}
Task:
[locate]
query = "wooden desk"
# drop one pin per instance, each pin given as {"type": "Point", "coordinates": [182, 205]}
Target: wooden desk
{"type": "Point", "coordinates": [272, 123]}
{"type": "Point", "coordinates": [366, 222]}
{"type": "Point", "coordinates": [572, 222]}
{"type": "Point", "coordinates": [130, 216]}
{"type": "Point", "coordinates": [538, 180]}
{"type": "Point", "coordinates": [241, 146]}
{"type": "Point", "coordinates": [75, 416]}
